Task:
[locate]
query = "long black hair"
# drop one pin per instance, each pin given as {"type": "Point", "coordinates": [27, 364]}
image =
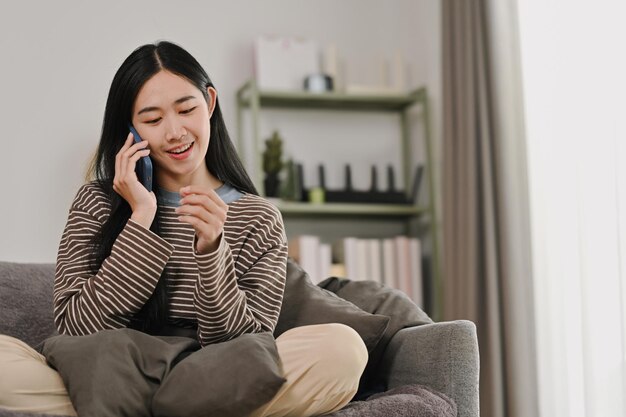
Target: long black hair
{"type": "Point", "coordinates": [221, 159]}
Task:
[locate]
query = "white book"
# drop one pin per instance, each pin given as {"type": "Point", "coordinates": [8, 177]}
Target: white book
{"type": "Point", "coordinates": [375, 261]}
{"type": "Point", "coordinates": [415, 248]}
{"type": "Point", "coordinates": [306, 253]}
{"type": "Point", "coordinates": [350, 257]}
{"type": "Point", "coordinates": [390, 266]}
{"type": "Point", "coordinates": [325, 262]}
{"type": "Point", "coordinates": [404, 265]}
{"type": "Point", "coordinates": [362, 264]}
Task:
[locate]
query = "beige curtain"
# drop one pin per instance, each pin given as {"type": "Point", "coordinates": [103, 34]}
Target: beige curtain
{"type": "Point", "coordinates": [486, 249]}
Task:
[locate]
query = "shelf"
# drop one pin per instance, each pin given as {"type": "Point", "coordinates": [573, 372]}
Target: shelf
{"type": "Point", "coordinates": [332, 100]}
{"type": "Point", "coordinates": [346, 209]}
{"type": "Point", "coordinates": [339, 215]}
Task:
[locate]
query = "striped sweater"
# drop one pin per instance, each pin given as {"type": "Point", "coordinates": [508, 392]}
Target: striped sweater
{"type": "Point", "coordinates": [235, 290]}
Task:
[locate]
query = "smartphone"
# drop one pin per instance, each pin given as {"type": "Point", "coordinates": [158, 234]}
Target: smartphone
{"type": "Point", "coordinates": [144, 164]}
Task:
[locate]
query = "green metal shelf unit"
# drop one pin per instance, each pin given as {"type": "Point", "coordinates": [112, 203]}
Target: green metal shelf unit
{"type": "Point", "coordinates": [249, 97]}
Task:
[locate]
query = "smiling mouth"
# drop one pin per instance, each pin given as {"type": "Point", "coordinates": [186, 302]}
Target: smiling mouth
{"type": "Point", "coordinates": [181, 149]}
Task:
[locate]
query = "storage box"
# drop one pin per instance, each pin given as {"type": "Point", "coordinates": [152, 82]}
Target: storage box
{"type": "Point", "coordinates": [282, 63]}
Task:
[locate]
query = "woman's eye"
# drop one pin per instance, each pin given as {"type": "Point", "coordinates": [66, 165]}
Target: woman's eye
{"type": "Point", "coordinates": [153, 121]}
{"type": "Point", "coordinates": [188, 110]}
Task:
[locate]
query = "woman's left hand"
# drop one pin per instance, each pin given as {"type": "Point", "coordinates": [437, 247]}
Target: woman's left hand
{"type": "Point", "coordinates": [202, 208]}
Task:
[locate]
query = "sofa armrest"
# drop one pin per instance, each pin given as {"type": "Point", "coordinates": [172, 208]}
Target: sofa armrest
{"type": "Point", "coordinates": [442, 356]}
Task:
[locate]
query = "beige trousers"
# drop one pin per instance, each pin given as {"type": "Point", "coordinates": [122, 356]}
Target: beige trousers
{"type": "Point", "coordinates": [322, 365]}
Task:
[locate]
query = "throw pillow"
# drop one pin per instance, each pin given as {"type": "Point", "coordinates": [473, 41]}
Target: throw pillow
{"type": "Point", "coordinates": [228, 379]}
{"type": "Point", "coordinates": [124, 372]}
{"type": "Point", "coordinates": [377, 298]}
{"type": "Point", "coordinates": [114, 372]}
{"type": "Point", "coordinates": [304, 303]}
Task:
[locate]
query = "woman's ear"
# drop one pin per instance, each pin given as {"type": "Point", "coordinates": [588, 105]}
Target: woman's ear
{"type": "Point", "coordinates": [212, 99]}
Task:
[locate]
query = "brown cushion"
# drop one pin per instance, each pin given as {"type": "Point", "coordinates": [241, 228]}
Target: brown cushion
{"type": "Point", "coordinates": [377, 298]}
{"type": "Point", "coordinates": [230, 379]}
{"type": "Point", "coordinates": [124, 372]}
{"type": "Point", "coordinates": [304, 303]}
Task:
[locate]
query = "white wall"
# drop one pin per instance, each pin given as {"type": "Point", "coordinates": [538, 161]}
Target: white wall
{"type": "Point", "coordinates": [58, 59]}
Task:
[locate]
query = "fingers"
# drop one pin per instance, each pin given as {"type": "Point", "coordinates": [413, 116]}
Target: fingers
{"type": "Point", "coordinates": [205, 211]}
{"type": "Point", "coordinates": [118, 156]}
{"type": "Point", "coordinates": [214, 205]}
{"type": "Point", "coordinates": [208, 226]}
{"type": "Point", "coordinates": [126, 161]}
{"type": "Point", "coordinates": [203, 207]}
{"type": "Point", "coordinates": [196, 211]}
{"type": "Point", "coordinates": [208, 229]}
{"type": "Point", "coordinates": [191, 190]}
{"type": "Point", "coordinates": [131, 150]}
{"type": "Point", "coordinates": [131, 162]}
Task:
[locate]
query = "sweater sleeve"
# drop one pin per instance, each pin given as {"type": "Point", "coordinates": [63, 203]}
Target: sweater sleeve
{"type": "Point", "coordinates": [230, 302]}
{"type": "Point", "coordinates": [84, 302]}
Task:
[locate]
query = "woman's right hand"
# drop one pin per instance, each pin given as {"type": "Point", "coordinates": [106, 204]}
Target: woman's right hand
{"type": "Point", "coordinates": [142, 202]}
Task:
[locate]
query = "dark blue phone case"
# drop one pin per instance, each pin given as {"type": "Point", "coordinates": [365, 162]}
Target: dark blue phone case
{"type": "Point", "coordinates": [144, 165]}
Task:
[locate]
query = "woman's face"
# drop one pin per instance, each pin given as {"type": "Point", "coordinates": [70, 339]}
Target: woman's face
{"type": "Point", "coordinates": [173, 116]}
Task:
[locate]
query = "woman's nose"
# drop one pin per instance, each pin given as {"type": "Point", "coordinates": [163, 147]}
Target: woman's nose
{"type": "Point", "coordinates": [174, 131]}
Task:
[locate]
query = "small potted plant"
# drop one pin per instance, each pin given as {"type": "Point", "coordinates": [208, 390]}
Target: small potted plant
{"type": "Point", "coordinates": [272, 164]}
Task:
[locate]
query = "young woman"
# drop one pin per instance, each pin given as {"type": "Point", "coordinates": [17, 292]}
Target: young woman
{"type": "Point", "coordinates": [201, 255]}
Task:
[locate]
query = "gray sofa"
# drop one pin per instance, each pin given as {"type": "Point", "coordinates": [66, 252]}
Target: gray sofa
{"type": "Point", "coordinates": [442, 356]}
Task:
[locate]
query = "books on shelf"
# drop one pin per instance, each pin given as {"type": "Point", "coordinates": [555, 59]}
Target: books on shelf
{"type": "Point", "coordinates": [374, 267]}
{"type": "Point", "coordinates": [409, 264]}
{"type": "Point", "coordinates": [325, 262]}
{"type": "Point", "coordinates": [312, 255]}
{"type": "Point", "coordinates": [305, 249]}
{"type": "Point", "coordinates": [403, 262]}
{"type": "Point", "coordinates": [395, 261]}
{"type": "Point", "coordinates": [415, 247]}
{"type": "Point", "coordinates": [346, 253]}
{"type": "Point", "coordinates": [390, 267]}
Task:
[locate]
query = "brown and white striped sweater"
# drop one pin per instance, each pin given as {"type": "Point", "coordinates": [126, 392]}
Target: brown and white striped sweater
{"type": "Point", "coordinates": [235, 290]}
